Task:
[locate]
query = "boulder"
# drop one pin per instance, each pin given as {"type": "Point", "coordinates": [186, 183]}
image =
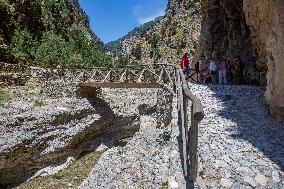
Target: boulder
{"type": "Point", "coordinates": [34, 137]}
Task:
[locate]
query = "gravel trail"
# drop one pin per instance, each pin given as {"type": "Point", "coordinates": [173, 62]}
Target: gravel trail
{"type": "Point", "coordinates": [240, 144]}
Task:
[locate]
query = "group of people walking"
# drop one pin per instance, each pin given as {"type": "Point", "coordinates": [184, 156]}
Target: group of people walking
{"type": "Point", "coordinates": [216, 71]}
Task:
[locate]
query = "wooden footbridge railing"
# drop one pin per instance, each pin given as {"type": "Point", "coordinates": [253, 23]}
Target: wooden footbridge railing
{"type": "Point", "coordinates": [167, 76]}
{"type": "Point", "coordinates": [141, 76]}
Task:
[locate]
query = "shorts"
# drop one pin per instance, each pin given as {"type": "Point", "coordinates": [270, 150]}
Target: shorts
{"type": "Point", "coordinates": [186, 71]}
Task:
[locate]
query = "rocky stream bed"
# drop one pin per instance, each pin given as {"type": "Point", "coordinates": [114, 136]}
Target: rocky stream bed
{"type": "Point", "coordinates": [130, 139]}
{"type": "Point", "coordinates": [56, 143]}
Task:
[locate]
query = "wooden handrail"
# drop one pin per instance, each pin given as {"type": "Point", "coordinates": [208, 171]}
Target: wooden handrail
{"type": "Point", "coordinates": [198, 113]}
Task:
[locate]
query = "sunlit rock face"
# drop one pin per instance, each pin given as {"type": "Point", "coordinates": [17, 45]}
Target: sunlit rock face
{"type": "Point", "coordinates": [167, 38]}
{"type": "Point", "coordinates": [266, 22]}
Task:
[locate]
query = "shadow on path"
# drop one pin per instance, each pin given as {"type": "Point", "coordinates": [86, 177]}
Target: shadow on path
{"type": "Point", "coordinates": [245, 106]}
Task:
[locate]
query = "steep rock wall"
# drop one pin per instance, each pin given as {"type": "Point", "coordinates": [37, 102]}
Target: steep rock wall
{"type": "Point", "coordinates": [266, 23]}
{"type": "Point", "coordinates": [254, 31]}
{"type": "Point", "coordinates": [224, 32]}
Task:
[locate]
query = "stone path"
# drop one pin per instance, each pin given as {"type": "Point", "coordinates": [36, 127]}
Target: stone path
{"type": "Point", "coordinates": [240, 145]}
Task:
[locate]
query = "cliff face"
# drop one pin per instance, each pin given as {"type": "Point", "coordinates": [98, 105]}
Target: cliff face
{"type": "Point", "coordinates": [225, 32]}
{"type": "Point", "coordinates": [171, 36]}
{"type": "Point", "coordinates": [252, 30]}
{"type": "Point", "coordinates": [266, 22]}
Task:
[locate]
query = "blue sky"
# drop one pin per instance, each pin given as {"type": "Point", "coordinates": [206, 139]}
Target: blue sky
{"type": "Point", "coordinates": [112, 19]}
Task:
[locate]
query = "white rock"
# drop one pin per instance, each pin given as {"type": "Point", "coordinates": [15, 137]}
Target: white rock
{"type": "Point", "coordinates": [261, 179]}
{"type": "Point", "coordinates": [275, 176]}
{"type": "Point", "coordinates": [61, 108]}
{"type": "Point", "coordinates": [47, 171]}
{"type": "Point", "coordinates": [201, 183]}
{"type": "Point", "coordinates": [173, 184]}
{"type": "Point", "coordinates": [226, 183]}
{"type": "Point", "coordinates": [250, 181]}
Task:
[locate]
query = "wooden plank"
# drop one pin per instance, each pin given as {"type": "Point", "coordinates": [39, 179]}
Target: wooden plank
{"type": "Point", "coordinates": [119, 85]}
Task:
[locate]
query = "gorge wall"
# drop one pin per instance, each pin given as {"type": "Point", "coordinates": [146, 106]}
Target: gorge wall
{"type": "Point", "coordinates": [252, 30]}
{"type": "Point", "coordinates": [266, 22]}
{"type": "Point", "coordinates": [224, 32]}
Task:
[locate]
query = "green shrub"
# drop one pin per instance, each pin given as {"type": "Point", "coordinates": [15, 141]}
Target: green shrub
{"type": "Point", "coordinates": [52, 51]}
{"type": "Point", "coordinates": [23, 46]}
{"type": "Point", "coordinates": [48, 34]}
{"type": "Point", "coordinates": [77, 53]}
{"type": "Point", "coordinates": [122, 61]}
{"type": "Point", "coordinates": [39, 103]}
{"type": "Point", "coordinates": [137, 52]}
{"type": "Point", "coordinates": [153, 40]}
{"type": "Point", "coordinates": [3, 96]}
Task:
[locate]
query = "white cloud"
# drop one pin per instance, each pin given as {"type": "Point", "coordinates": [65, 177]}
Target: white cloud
{"type": "Point", "coordinates": [137, 9]}
{"type": "Point", "coordinates": [143, 20]}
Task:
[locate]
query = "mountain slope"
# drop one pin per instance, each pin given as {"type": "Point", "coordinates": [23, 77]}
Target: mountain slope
{"type": "Point", "coordinates": [62, 25]}
{"type": "Point", "coordinates": [115, 46]}
{"type": "Point", "coordinates": [166, 38]}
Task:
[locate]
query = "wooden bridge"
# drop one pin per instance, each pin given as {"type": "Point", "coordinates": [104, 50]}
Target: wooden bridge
{"type": "Point", "coordinates": [138, 76]}
{"type": "Point", "coordinates": [167, 76]}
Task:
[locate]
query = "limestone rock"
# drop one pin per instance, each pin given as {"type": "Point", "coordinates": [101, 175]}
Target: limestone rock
{"type": "Point", "coordinates": [226, 183]}
{"type": "Point", "coordinates": [261, 180]}
{"type": "Point", "coordinates": [265, 19]}
{"type": "Point", "coordinates": [33, 138]}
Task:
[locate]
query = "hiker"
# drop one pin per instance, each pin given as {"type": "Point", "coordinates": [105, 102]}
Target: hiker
{"type": "Point", "coordinates": [236, 70]}
{"type": "Point", "coordinates": [207, 77]}
{"type": "Point", "coordinates": [202, 67]}
{"type": "Point", "coordinates": [213, 71]}
{"type": "Point", "coordinates": [184, 65]}
{"type": "Point", "coordinates": [197, 71]}
{"type": "Point", "coordinates": [223, 71]}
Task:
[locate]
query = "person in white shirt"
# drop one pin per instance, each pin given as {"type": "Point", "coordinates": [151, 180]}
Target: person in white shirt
{"type": "Point", "coordinates": [213, 71]}
{"type": "Point", "coordinates": [223, 71]}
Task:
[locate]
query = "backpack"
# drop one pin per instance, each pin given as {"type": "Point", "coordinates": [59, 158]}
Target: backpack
{"type": "Point", "coordinates": [181, 65]}
{"type": "Point", "coordinates": [196, 66]}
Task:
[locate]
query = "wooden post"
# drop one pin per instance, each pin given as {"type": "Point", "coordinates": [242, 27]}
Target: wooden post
{"type": "Point", "coordinates": [182, 126]}
{"type": "Point", "coordinates": [63, 74]}
{"type": "Point", "coordinates": [126, 74]}
{"type": "Point", "coordinates": [84, 76]}
{"type": "Point", "coordinates": [110, 76]}
{"type": "Point", "coordinates": [46, 76]}
{"type": "Point", "coordinates": [193, 147]}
